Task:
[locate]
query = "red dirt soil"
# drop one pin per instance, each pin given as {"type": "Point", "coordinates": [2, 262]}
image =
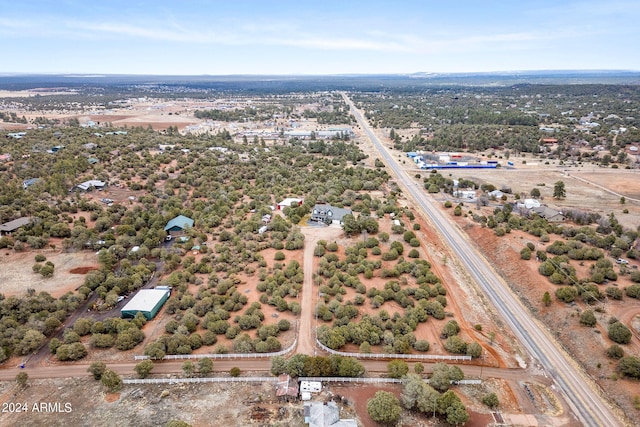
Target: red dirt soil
{"type": "Point", "coordinates": [82, 270]}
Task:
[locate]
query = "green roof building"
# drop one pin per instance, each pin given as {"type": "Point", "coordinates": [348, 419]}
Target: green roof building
{"type": "Point", "coordinates": [179, 223]}
{"type": "Point", "coordinates": [146, 301]}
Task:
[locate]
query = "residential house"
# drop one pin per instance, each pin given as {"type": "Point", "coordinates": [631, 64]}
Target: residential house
{"type": "Point", "coordinates": [321, 414]}
{"type": "Point", "coordinates": [329, 214]}
{"type": "Point", "coordinates": [9, 227]}
{"type": "Point", "coordinates": [465, 194]}
{"type": "Point", "coordinates": [93, 183]}
{"type": "Point", "coordinates": [549, 214]}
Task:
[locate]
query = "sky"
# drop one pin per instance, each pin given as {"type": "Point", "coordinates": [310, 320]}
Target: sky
{"type": "Point", "coordinates": [283, 37]}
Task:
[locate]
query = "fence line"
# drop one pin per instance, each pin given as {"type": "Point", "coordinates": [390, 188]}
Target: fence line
{"type": "Point", "coordinates": [394, 356]}
{"type": "Point", "coordinates": [199, 380]}
{"type": "Point", "coordinates": [377, 380]}
{"type": "Point", "coordinates": [224, 356]}
{"type": "Point", "coordinates": [352, 379]}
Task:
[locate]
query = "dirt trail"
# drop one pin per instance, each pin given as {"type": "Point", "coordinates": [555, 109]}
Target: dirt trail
{"type": "Point", "coordinates": [306, 335]}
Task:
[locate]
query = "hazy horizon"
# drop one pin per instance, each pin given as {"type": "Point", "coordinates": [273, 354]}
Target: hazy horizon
{"type": "Point", "coordinates": [215, 38]}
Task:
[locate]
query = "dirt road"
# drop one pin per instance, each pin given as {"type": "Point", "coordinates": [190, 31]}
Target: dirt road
{"type": "Point", "coordinates": [306, 331]}
{"type": "Point", "coordinates": [246, 365]}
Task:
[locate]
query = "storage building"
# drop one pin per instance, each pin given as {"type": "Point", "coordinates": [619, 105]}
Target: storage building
{"type": "Point", "coordinates": [146, 301]}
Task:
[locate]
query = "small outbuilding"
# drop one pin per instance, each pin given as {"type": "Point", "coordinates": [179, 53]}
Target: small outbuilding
{"type": "Point", "coordinates": [179, 223]}
{"type": "Point", "coordinates": [289, 202]}
{"type": "Point", "coordinates": [146, 301]}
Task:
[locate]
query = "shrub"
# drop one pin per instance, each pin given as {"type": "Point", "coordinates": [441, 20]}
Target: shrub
{"type": "Point", "coordinates": [112, 381]}
{"type": "Point", "coordinates": [619, 333]}
{"type": "Point", "coordinates": [450, 329]}
{"type": "Point", "coordinates": [474, 350]}
{"type": "Point", "coordinates": [491, 400]}
{"type": "Point", "coordinates": [629, 366]}
{"type": "Point", "coordinates": [40, 258]}
{"type": "Point", "coordinates": [633, 291]}
{"type": "Point", "coordinates": [72, 351]}
{"type": "Point", "coordinates": [421, 345]}
{"type": "Point", "coordinates": [279, 256]}
{"type": "Point", "coordinates": [384, 407]}
{"type": "Point", "coordinates": [614, 293]}
{"type": "Point", "coordinates": [397, 368]}
{"type": "Point", "coordinates": [615, 352]}
{"type": "Point", "coordinates": [455, 344]}
{"type": "Point", "coordinates": [97, 369]}
{"type": "Point", "coordinates": [587, 318]}
{"type": "Point", "coordinates": [566, 294]}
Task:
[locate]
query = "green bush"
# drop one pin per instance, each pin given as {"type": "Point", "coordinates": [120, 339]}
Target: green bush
{"type": "Point", "coordinates": [619, 333]}
{"type": "Point", "coordinates": [566, 294]}
{"type": "Point", "coordinates": [633, 291]}
{"type": "Point", "coordinates": [491, 400]}
{"type": "Point", "coordinates": [587, 318]}
{"type": "Point", "coordinates": [397, 368]}
{"type": "Point", "coordinates": [629, 366]}
{"type": "Point", "coordinates": [384, 407]}
{"type": "Point", "coordinates": [615, 352]}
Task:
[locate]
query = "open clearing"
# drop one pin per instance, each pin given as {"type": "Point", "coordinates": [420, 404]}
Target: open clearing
{"type": "Point", "coordinates": [16, 274]}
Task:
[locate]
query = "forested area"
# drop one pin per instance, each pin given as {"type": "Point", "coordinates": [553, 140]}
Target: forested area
{"type": "Point", "coordinates": [226, 193]}
{"type": "Point", "coordinates": [510, 118]}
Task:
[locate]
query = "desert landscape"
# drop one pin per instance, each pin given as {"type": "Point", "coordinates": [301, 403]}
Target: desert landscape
{"type": "Point", "coordinates": [381, 282]}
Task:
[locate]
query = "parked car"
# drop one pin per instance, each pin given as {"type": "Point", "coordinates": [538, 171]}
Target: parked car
{"type": "Point", "coordinates": [622, 261]}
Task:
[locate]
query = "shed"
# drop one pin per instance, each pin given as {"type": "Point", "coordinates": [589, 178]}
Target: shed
{"type": "Point", "coordinates": [29, 182]}
{"type": "Point", "coordinates": [529, 204]}
{"type": "Point", "coordinates": [179, 223]}
{"type": "Point", "coordinates": [286, 388]}
{"type": "Point", "coordinates": [146, 301]}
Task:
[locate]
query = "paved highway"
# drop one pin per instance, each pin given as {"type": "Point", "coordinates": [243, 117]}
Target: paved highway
{"type": "Point", "coordinates": [584, 401]}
